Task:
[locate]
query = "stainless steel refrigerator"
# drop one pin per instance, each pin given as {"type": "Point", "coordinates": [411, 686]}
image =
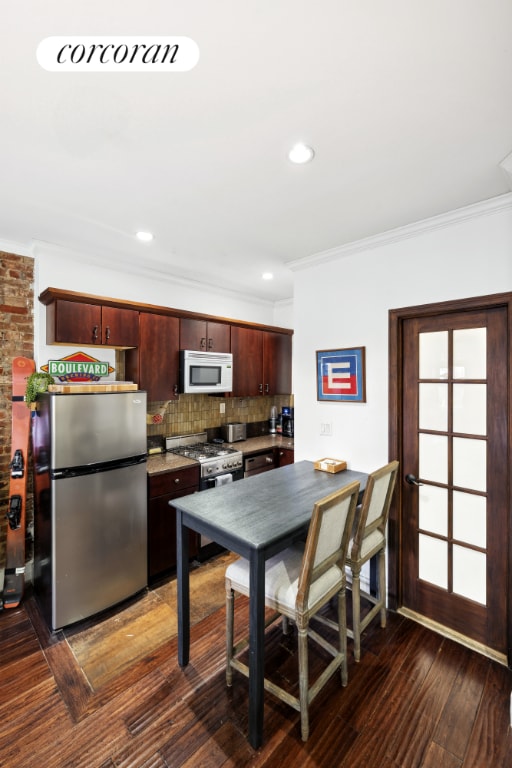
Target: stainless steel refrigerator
{"type": "Point", "coordinates": [90, 502]}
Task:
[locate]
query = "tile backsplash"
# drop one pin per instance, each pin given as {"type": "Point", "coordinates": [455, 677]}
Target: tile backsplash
{"type": "Point", "coordinates": [197, 413]}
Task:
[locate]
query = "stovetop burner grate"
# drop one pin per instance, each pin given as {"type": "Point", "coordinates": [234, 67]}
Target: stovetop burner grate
{"type": "Point", "coordinates": [203, 451]}
{"type": "Point", "coordinates": [214, 458]}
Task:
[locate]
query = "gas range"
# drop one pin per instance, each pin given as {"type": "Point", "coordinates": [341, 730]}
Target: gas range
{"type": "Point", "coordinates": [214, 458]}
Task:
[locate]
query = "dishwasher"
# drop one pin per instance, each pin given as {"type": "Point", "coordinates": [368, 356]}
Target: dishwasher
{"type": "Point", "coordinates": [262, 462]}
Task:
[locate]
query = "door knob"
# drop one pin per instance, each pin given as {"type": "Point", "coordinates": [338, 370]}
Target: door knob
{"type": "Point", "coordinates": [411, 479]}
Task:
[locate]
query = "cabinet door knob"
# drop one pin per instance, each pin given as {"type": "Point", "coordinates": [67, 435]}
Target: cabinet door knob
{"type": "Point", "coordinates": [266, 388]}
{"type": "Point", "coordinates": [210, 343]}
{"type": "Point", "coordinates": [176, 480]}
{"type": "Point", "coordinates": [202, 344]}
{"type": "Point", "coordinates": [107, 333]}
{"type": "Point", "coordinates": [261, 388]}
{"type": "Point", "coordinates": [95, 333]}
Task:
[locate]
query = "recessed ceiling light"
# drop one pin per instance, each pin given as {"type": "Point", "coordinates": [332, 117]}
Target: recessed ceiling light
{"type": "Point", "coordinates": [301, 153]}
{"type": "Point", "coordinates": [267, 276]}
{"type": "Point", "coordinates": [146, 237]}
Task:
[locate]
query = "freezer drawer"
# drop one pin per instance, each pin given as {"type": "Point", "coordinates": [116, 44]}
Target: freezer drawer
{"type": "Point", "coordinates": [98, 541]}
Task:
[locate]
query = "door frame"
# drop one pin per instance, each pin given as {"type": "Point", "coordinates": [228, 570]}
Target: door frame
{"type": "Point", "coordinates": [397, 317]}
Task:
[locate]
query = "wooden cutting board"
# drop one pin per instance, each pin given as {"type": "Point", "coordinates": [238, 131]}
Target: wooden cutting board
{"type": "Point", "coordinates": [113, 386]}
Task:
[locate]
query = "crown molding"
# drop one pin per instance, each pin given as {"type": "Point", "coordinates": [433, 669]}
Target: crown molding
{"type": "Point", "coordinates": [284, 302]}
{"type": "Point", "coordinates": [474, 211]}
{"type": "Point", "coordinates": [152, 272]}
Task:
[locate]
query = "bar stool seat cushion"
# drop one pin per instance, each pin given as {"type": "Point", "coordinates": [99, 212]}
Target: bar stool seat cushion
{"type": "Point", "coordinates": [372, 543]}
{"type": "Point", "coordinates": [282, 579]}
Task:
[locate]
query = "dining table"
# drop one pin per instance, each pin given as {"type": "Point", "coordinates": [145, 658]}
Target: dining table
{"type": "Point", "coordinates": [256, 518]}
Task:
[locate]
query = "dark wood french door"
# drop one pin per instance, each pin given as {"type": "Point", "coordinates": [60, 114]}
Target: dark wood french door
{"type": "Point", "coordinates": [452, 522]}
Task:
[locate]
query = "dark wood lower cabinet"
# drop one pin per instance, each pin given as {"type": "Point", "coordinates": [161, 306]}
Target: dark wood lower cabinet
{"type": "Point", "coordinates": [162, 489]}
{"type": "Point", "coordinates": [285, 456]}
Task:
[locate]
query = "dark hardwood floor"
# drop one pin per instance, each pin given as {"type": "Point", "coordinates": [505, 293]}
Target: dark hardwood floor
{"type": "Point", "coordinates": [415, 699]}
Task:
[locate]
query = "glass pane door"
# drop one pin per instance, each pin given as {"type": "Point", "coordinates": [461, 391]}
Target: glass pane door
{"type": "Point", "coordinates": [453, 460]}
{"type": "Point", "coordinates": [454, 495]}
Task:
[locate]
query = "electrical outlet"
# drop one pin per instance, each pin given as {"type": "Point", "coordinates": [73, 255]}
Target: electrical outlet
{"type": "Point", "coordinates": [326, 429]}
{"type": "Point", "coordinates": [222, 407]}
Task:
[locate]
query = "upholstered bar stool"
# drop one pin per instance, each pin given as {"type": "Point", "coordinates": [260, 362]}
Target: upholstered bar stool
{"type": "Point", "coordinates": [298, 582]}
{"type": "Point", "coordinates": [369, 540]}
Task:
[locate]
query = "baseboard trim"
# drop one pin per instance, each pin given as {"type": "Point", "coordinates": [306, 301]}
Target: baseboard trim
{"type": "Point", "coordinates": [473, 645]}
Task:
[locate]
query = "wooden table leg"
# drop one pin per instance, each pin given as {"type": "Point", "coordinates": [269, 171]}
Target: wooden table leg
{"type": "Point", "coordinates": [256, 648]}
{"type": "Point", "coordinates": [183, 592]}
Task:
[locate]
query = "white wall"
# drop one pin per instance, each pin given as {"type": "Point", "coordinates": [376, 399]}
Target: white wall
{"type": "Point", "coordinates": [283, 314]}
{"type": "Point", "coordinates": [342, 299]}
{"type": "Point", "coordinates": [59, 268]}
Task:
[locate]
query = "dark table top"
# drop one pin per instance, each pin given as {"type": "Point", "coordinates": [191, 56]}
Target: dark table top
{"type": "Point", "coordinates": [264, 508]}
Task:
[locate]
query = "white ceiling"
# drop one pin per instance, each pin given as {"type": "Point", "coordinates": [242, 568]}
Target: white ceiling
{"type": "Point", "coordinates": [407, 104]}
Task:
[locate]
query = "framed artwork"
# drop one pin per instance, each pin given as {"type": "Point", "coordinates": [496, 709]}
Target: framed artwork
{"type": "Point", "coordinates": [340, 375]}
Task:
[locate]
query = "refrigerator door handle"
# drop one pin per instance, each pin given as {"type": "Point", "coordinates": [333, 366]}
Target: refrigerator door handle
{"type": "Point", "coordinates": [91, 469]}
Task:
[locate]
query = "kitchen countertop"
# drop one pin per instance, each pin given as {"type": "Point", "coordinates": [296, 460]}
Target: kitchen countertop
{"type": "Point", "coordinates": [169, 462]}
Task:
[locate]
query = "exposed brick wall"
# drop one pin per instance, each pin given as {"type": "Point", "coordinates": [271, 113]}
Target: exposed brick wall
{"type": "Point", "coordinates": [16, 338]}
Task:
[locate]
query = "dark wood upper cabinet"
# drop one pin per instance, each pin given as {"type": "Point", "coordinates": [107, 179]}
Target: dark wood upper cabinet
{"type": "Point", "coordinates": [277, 363]}
{"type": "Point", "coordinates": [204, 335]}
{"type": "Point", "coordinates": [261, 362]}
{"type": "Point", "coordinates": [154, 365]}
{"type": "Point", "coordinates": [247, 349]}
{"type": "Point", "coordinates": [152, 337]}
{"type": "Point", "coordinates": [72, 322]}
{"type": "Point", "coordinates": [120, 327]}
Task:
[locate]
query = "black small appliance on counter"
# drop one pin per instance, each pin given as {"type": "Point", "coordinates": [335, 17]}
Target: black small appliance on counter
{"type": "Point", "coordinates": [287, 421]}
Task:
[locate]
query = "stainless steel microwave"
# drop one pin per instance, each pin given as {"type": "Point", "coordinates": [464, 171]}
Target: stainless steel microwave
{"type": "Point", "coordinates": [205, 372]}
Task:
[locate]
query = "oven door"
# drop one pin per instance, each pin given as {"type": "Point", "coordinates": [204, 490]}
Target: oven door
{"type": "Point", "coordinates": [213, 482]}
{"type": "Point", "coordinates": [207, 547]}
